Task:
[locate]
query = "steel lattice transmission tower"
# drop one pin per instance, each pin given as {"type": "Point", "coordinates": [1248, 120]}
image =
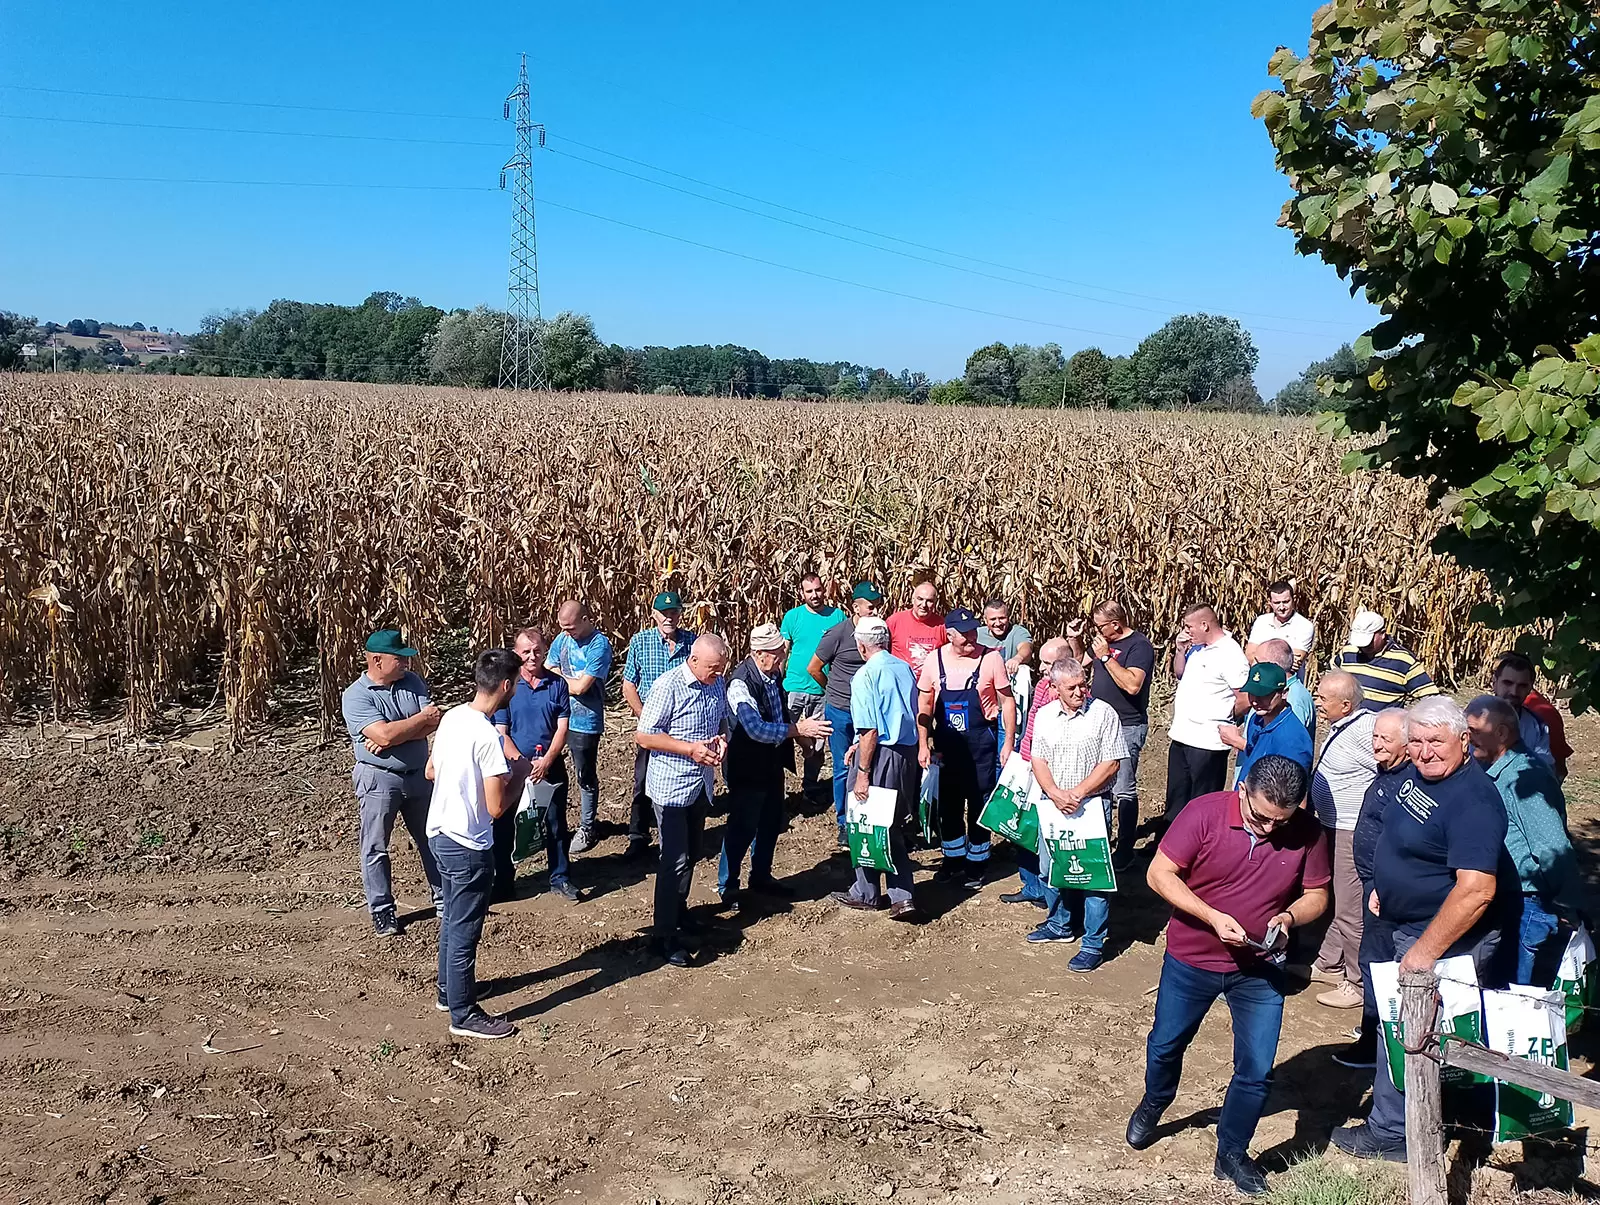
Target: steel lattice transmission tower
{"type": "Point", "coordinates": [522, 345]}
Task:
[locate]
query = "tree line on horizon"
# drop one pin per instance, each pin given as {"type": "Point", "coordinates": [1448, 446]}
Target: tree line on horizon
{"type": "Point", "coordinates": [1194, 361]}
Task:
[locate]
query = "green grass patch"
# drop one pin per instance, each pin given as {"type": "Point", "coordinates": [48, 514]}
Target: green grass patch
{"type": "Point", "coordinates": [1321, 1181]}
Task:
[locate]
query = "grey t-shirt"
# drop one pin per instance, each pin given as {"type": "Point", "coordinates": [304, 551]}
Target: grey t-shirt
{"type": "Point", "coordinates": [1010, 644]}
{"type": "Point", "coordinates": [365, 702]}
{"type": "Point", "coordinates": [837, 651]}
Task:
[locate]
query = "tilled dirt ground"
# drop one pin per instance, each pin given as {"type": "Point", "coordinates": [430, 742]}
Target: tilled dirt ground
{"type": "Point", "coordinates": [193, 1007]}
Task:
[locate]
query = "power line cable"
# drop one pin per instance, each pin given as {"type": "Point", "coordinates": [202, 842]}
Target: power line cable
{"type": "Point", "coordinates": [149, 125]}
{"type": "Point", "coordinates": [1238, 313]}
{"type": "Point", "coordinates": [601, 218]}
{"type": "Point", "coordinates": [248, 104]}
{"type": "Point", "coordinates": [887, 250]}
{"type": "Point", "coordinates": [920, 246]}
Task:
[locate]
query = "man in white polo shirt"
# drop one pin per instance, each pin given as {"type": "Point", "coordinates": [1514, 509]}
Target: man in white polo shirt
{"type": "Point", "coordinates": [469, 774]}
{"type": "Point", "coordinates": [1210, 668]}
{"type": "Point", "coordinates": [1283, 621]}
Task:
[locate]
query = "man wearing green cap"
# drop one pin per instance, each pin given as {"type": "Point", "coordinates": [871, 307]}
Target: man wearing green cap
{"type": "Point", "coordinates": [834, 665]}
{"type": "Point", "coordinates": [390, 715]}
{"type": "Point", "coordinates": [1272, 726]}
{"type": "Point", "coordinates": [659, 648]}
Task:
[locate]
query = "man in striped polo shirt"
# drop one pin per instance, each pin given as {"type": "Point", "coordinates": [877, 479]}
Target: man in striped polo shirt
{"type": "Point", "coordinates": [1388, 674]}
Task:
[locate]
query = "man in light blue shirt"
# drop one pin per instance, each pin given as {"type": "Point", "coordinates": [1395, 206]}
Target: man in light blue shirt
{"type": "Point", "coordinates": [883, 710]}
{"type": "Point", "coordinates": [581, 654]}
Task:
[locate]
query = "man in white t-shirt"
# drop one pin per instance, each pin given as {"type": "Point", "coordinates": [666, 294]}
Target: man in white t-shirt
{"type": "Point", "coordinates": [1210, 668]}
{"type": "Point", "coordinates": [1283, 621]}
{"type": "Point", "coordinates": [469, 774]}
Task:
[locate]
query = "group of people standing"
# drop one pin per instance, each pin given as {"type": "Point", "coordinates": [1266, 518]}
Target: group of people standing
{"type": "Point", "coordinates": [1424, 828]}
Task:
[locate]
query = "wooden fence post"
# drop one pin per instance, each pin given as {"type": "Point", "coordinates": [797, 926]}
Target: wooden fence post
{"type": "Point", "coordinates": [1419, 1009]}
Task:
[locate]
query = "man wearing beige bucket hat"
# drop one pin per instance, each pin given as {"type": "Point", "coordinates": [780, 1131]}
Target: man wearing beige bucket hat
{"type": "Point", "coordinates": [760, 747]}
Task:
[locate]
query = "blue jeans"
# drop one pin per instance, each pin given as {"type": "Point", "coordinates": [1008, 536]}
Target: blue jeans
{"type": "Point", "coordinates": [1255, 1002]}
{"type": "Point", "coordinates": [468, 879]}
{"type": "Point", "coordinates": [1060, 904]}
{"type": "Point", "coordinates": [1538, 948]}
{"type": "Point", "coordinates": [1032, 885]}
{"type": "Point", "coordinates": [839, 741]}
{"type": "Point", "coordinates": [755, 818]}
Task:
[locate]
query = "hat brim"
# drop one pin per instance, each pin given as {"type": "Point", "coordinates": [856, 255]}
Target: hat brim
{"type": "Point", "coordinates": [965, 628]}
{"type": "Point", "coordinates": [1258, 693]}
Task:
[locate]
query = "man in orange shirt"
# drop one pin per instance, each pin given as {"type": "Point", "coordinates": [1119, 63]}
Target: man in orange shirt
{"type": "Point", "coordinates": [963, 690]}
{"type": "Point", "coordinates": [916, 632]}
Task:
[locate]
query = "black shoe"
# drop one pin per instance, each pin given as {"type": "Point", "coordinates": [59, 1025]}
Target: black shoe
{"type": "Point", "coordinates": [482, 1025]}
{"type": "Point", "coordinates": [690, 925]}
{"type": "Point", "coordinates": [972, 880]}
{"type": "Point", "coordinates": [1142, 1125]}
{"type": "Point", "coordinates": [772, 887]}
{"type": "Point", "coordinates": [732, 905]}
{"type": "Point", "coordinates": [443, 1005]}
{"type": "Point", "coordinates": [673, 953]}
{"type": "Point", "coordinates": [565, 890]}
{"type": "Point", "coordinates": [1362, 1054]}
{"type": "Point", "coordinates": [1242, 1170]}
{"type": "Point", "coordinates": [1359, 1142]}
{"type": "Point", "coordinates": [385, 923]}
{"type": "Point", "coordinates": [1022, 897]}
{"type": "Point", "coordinates": [951, 870]}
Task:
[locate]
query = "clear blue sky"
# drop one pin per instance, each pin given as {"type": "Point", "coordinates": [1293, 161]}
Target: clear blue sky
{"type": "Point", "coordinates": [1106, 145]}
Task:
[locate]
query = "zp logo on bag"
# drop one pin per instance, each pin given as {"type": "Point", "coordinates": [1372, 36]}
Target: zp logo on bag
{"type": "Point", "coordinates": [1075, 851]}
{"type": "Point", "coordinates": [867, 824]}
{"type": "Point", "coordinates": [1527, 1023]}
{"type": "Point", "coordinates": [1010, 811]}
{"type": "Point", "coordinates": [1460, 1014]}
{"type": "Point", "coordinates": [1576, 978]}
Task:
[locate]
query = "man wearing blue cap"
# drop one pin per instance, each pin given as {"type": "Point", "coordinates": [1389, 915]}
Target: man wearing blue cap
{"type": "Point", "coordinates": [661, 647]}
{"type": "Point", "coordinates": [964, 690]}
{"type": "Point", "coordinates": [390, 715]}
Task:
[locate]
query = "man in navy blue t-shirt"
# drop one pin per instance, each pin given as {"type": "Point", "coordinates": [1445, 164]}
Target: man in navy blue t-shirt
{"type": "Point", "coordinates": [1437, 878]}
{"type": "Point", "coordinates": [533, 727]}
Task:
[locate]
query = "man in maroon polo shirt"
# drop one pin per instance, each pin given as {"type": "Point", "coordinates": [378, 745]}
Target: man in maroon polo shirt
{"type": "Point", "coordinates": [1240, 869]}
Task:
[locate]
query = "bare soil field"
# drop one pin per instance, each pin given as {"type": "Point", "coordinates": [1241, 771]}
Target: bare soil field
{"type": "Point", "coordinates": [193, 1007]}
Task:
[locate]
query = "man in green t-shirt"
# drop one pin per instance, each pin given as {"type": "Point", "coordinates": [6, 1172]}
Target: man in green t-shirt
{"type": "Point", "coordinates": [802, 630]}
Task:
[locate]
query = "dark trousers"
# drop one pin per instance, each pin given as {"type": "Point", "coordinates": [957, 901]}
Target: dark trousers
{"type": "Point", "coordinates": [682, 829]}
{"type": "Point", "coordinates": [894, 767]}
{"type": "Point", "coordinates": [467, 876]}
{"type": "Point", "coordinates": [1377, 945]}
{"type": "Point", "coordinates": [585, 750]}
{"type": "Point", "coordinates": [755, 818]}
{"type": "Point", "coordinates": [967, 778]}
{"type": "Point", "coordinates": [550, 799]}
{"type": "Point", "coordinates": [1192, 773]}
{"type": "Point", "coordinates": [640, 815]}
{"type": "Point", "coordinates": [1387, 1119]}
{"type": "Point", "coordinates": [1255, 1003]}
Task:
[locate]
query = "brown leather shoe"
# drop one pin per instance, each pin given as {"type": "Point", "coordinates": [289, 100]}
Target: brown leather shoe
{"type": "Point", "coordinates": [847, 900]}
{"type": "Point", "coordinates": [904, 911]}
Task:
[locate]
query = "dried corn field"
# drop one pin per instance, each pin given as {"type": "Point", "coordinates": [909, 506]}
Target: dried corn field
{"type": "Point", "coordinates": [160, 532]}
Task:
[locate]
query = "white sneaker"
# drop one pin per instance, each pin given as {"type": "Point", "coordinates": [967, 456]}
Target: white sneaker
{"type": "Point", "coordinates": [582, 841]}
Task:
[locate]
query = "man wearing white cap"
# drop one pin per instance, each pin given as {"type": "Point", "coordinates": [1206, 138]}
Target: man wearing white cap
{"type": "Point", "coordinates": [760, 747]}
{"type": "Point", "coordinates": [883, 709]}
{"type": "Point", "coordinates": [1389, 675]}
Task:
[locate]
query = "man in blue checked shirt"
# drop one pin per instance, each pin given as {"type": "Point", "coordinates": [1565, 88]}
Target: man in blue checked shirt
{"type": "Point", "coordinates": [760, 748]}
{"type": "Point", "coordinates": [651, 654]}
